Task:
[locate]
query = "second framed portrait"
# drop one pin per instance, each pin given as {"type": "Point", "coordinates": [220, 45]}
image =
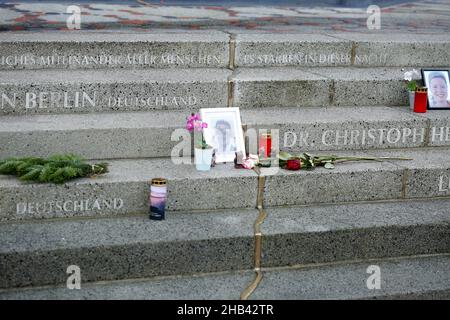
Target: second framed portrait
{"type": "Point", "coordinates": [438, 84]}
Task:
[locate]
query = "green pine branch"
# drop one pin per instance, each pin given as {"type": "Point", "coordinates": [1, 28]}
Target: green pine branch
{"type": "Point", "coordinates": [55, 169]}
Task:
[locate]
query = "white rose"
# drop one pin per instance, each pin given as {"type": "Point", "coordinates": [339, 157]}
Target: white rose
{"type": "Point", "coordinates": [408, 75]}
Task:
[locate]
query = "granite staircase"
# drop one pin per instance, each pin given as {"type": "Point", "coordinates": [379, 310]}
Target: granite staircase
{"type": "Point", "coordinates": [120, 96]}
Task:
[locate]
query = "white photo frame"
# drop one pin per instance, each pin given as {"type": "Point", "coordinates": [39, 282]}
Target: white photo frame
{"type": "Point", "coordinates": [224, 132]}
{"type": "Point", "coordinates": [438, 83]}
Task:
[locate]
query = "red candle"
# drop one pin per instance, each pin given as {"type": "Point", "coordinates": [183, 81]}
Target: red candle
{"type": "Point", "coordinates": [420, 100]}
{"type": "Point", "coordinates": [265, 145]}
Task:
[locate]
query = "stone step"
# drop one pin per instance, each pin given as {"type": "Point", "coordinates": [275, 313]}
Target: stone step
{"type": "Point", "coordinates": [98, 49]}
{"type": "Point", "coordinates": [125, 188]}
{"type": "Point", "coordinates": [342, 49]}
{"type": "Point", "coordinates": [421, 277]}
{"type": "Point", "coordinates": [149, 134]}
{"type": "Point", "coordinates": [92, 136]}
{"type": "Point", "coordinates": [351, 128]}
{"type": "Point", "coordinates": [109, 249]}
{"type": "Point", "coordinates": [317, 87]}
{"type": "Point", "coordinates": [401, 278]}
{"type": "Point", "coordinates": [104, 50]}
{"type": "Point", "coordinates": [300, 235]}
{"type": "Point", "coordinates": [427, 175]}
{"type": "Point", "coordinates": [80, 91]}
{"type": "Point", "coordinates": [39, 253]}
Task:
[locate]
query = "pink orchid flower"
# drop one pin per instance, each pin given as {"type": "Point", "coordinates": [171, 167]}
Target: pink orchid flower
{"type": "Point", "coordinates": [194, 122]}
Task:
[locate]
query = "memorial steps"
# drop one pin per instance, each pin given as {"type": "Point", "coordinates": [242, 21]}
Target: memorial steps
{"type": "Point", "coordinates": [422, 277]}
{"type": "Point", "coordinates": [124, 189]}
{"type": "Point", "coordinates": [217, 49]}
{"type": "Point", "coordinates": [25, 92]}
{"type": "Point", "coordinates": [149, 134]}
{"type": "Point", "coordinates": [114, 49]}
{"type": "Point", "coordinates": [330, 245]}
{"type": "Point", "coordinates": [74, 91]}
{"type": "Point", "coordinates": [351, 100]}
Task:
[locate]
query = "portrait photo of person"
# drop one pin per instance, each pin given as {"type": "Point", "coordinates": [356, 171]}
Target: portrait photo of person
{"type": "Point", "coordinates": [438, 84]}
{"type": "Point", "coordinates": [224, 138]}
{"type": "Point", "coordinates": [224, 132]}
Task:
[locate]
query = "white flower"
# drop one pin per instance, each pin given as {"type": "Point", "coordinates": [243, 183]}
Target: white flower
{"type": "Point", "coordinates": [409, 74]}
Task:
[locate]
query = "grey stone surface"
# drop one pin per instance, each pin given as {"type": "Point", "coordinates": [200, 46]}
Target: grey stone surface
{"type": "Point", "coordinates": [263, 50]}
{"type": "Point", "coordinates": [439, 127]}
{"type": "Point", "coordinates": [93, 50]}
{"type": "Point", "coordinates": [394, 49]}
{"type": "Point", "coordinates": [322, 234]}
{"type": "Point", "coordinates": [366, 86]}
{"type": "Point", "coordinates": [92, 136]}
{"type": "Point", "coordinates": [34, 254]}
{"type": "Point", "coordinates": [403, 278]}
{"type": "Point", "coordinates": [348, 182]}
{"type": "Point", "coordinates": [108, 249]}
{"type": "Point", "coordinates": [319, 87]}
{"type": "Point", "coordinates": [340, 128]}
{"type": "Point", "coordinates": [283, 87]}
{"type": "Point", "coordinates": [428, 295]}
{"type": "Point", "coordinates": [185, 49]}
{"type": "Point", "coordinates": [428, 175]}
{"type": "Point", "coordinates": [125, 190]}
{"type": "Point", "coordinates": [70, 91]}
{"type": "Point", "coordinates": [335, 49]}
{"type": "Point", "coordinates": [412, 277]}
{"type": "Point", "coordinates": [205, 287]}
{"type": "Point", "coordinates": [149, 134]}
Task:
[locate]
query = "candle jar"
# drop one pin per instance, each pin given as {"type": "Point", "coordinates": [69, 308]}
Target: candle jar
{"type": "Point", "coordinates": [265, 146]}
{"type": "Point", "coordinates": [420, 100]}
{"type": "Point", "coordinates": [157, 198]}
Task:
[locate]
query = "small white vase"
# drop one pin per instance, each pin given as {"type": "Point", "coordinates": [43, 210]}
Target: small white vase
{"type": "Point", "coordinates": [203, 158]}
{"type": "Point", "coordinates": [412, 94]}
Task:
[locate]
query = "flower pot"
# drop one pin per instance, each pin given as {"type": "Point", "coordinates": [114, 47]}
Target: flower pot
{"type": "Point", "coordinates": [412, 94]}
{"type": "Point", "coordinates": [203, 158]}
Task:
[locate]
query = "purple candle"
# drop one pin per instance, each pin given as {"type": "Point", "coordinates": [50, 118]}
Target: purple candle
{"type": "Point", "coordinates": [158, 197]}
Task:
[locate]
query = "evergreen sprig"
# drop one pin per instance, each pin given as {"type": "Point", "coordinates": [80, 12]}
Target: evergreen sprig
{"type": "Point", "coordinates": [55, 169]}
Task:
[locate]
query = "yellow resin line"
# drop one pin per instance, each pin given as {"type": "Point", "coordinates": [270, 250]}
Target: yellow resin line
{"type": "Point", "coordinates": [230, 90]}
{"type": "Point", "coordinates": [231, 66]}
{"type": "Point", "coordinates": [232, 52]}
{"type": "Point", "coordinates": [258, 239]}
{"type": "Point", "coordinates": [353, 53]}
{"type": "Point", "coordinates": [405, 183]}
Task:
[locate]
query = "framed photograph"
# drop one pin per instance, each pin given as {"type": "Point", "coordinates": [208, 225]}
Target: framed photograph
{"type": "Point", "coordinates": [438, 83]}
{"type": "Point", "coordinates": [224, 132]}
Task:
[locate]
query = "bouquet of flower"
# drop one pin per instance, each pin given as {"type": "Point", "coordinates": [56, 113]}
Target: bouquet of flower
{"type": "Point", "coordinates": [195, 123]}
{"type": "Point", "coordinates": [411, 84]}
{"type": "Point", "coordinates": [305, 160]}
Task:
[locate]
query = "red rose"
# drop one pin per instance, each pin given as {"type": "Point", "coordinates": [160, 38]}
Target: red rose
{"type": "Point", "coordinates": [293, 164]}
